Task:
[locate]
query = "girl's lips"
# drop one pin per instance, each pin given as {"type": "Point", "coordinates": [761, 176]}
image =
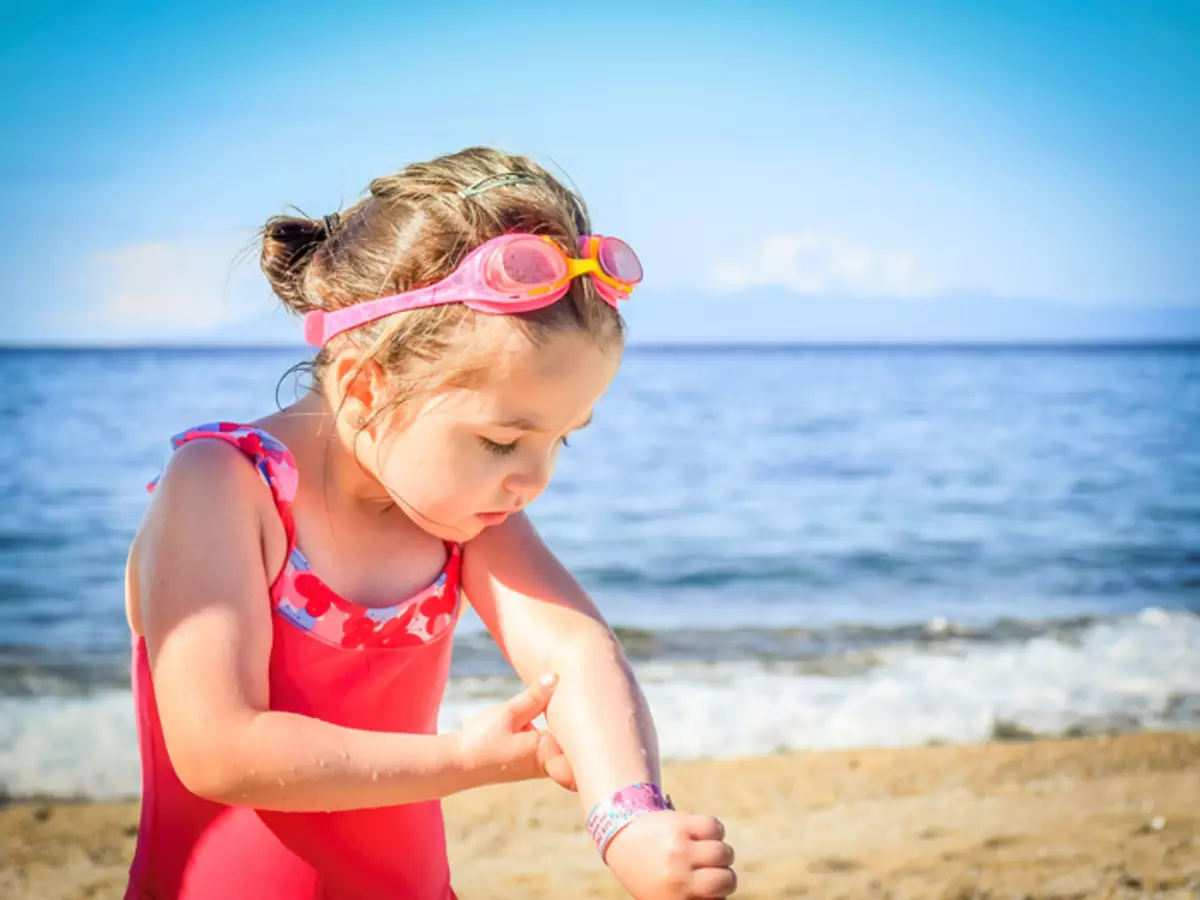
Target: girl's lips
{"type": "Point", "coordinates": [492, 518]}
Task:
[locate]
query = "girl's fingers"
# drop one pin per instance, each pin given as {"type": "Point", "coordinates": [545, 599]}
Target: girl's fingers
{"type": "Point", "coordinates": [522, 709]}
{"type": "Point", "coordinates": [711, 854]}
{"type": "Point", "coordinates": [704, 828]}
{"type": "Point", "coordinates": [713, 883]}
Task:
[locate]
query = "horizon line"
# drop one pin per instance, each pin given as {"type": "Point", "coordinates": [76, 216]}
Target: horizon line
{"type": "Point", "coordinates": [657, 346]}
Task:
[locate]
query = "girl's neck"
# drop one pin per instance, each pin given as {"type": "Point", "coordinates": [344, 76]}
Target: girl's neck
{"type": "Point", "coordinates": [326, 461]}
{"type": "Point", "coordinates": [347, 525]}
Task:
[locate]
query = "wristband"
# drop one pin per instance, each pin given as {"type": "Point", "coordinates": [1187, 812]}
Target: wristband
{"type": "Point", "coordinates": [617, 810]}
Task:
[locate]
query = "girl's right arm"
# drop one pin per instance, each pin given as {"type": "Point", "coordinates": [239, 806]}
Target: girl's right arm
{"type": "Point", "coordinates": [199, 572]}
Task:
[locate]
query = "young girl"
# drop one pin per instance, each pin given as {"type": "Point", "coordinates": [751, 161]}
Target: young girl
{"type": "Point", "coordinates": [294, 588]}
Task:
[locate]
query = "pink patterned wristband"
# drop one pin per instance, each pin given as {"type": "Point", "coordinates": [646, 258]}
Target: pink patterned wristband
{"type": "Point", "coordinates": [612, 814]}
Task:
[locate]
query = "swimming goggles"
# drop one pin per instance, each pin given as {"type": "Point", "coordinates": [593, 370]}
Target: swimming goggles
{"type": "Point", "coordinates": [513, 273]}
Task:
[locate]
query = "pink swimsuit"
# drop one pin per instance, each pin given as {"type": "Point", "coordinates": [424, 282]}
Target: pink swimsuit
{"type": "Point", "coordinates": [376, 669]}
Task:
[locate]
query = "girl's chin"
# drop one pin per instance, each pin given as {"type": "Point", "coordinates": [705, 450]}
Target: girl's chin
{"type": "Point", "coordinates": [458, 533]}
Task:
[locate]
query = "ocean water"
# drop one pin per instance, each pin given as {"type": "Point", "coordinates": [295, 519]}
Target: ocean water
{"type": "Point", "coordinates": [804, 547]}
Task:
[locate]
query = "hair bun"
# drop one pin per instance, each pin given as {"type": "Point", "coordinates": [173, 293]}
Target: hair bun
{"type": "Point", "coordinates": [289, 245]}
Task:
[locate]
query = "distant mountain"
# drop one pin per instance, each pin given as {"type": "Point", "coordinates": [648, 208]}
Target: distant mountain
{"type": "Point", "coordinates": [773, 316]}
{"type": "Point", "coordinates": [776, 316]}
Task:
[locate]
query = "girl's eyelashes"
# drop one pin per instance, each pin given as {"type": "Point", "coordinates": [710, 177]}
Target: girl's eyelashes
{"type": "Point", "coordinates": [498, 449]}
{"type": "Point", "coordinates": [505, 449]}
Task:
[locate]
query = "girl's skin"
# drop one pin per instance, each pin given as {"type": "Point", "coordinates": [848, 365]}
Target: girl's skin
{"type": "Point", "coordinates": [373, 506]}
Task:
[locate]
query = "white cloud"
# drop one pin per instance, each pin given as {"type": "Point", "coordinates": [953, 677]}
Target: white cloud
{"type": "Point", "coordinates": [192, 286]}
{"type": "Point", "coordinates": [813, 262]}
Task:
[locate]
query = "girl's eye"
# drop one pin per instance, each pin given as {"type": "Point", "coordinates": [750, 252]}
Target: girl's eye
{"type": "Point", "coordinates": [505, 449]}
{"type": "Point", "coordinates": [498, 449]}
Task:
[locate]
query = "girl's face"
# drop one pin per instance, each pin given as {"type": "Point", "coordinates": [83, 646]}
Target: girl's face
{"type": "Point", "coordinates": [469, 458]}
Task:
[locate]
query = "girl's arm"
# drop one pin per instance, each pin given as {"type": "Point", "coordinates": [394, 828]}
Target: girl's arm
{"type": "Point", "coordinates": [199, 574]}
{"type": "Point", "coordinates": [543, 620]}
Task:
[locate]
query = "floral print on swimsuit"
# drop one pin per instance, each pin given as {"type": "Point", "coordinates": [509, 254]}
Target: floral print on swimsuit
{"type": "Point", "coordinates": [305, 601]}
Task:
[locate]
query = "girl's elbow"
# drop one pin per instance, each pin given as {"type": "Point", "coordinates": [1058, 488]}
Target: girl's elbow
{"type": "Point", "coordinates": [211, 773]}
{"type": "Point", "coordinates": [209, 781]}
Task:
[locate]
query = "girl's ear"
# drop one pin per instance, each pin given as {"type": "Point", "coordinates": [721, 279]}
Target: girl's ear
{"type": "Point", "coordinates": [360, 387]}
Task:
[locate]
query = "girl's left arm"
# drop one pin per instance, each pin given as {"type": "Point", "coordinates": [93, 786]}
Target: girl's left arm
{"type": "Point", "coordinates": [544, 621]}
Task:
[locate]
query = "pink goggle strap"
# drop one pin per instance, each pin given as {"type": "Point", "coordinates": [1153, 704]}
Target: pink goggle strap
{"type": "Point", "coordinates": [318, 333]}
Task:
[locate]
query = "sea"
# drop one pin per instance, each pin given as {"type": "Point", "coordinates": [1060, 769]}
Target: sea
{"type": "Point", "coordinates": [799, 547]}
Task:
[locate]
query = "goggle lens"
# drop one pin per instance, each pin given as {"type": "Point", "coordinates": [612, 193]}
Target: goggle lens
{"type": "Point", "coordinates": [618, 260]}
{"type": "Point", "coordinates": [524, 264]}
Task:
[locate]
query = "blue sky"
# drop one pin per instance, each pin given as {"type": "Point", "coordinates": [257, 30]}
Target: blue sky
{"type": "Point", "coordinates": [777, 166]}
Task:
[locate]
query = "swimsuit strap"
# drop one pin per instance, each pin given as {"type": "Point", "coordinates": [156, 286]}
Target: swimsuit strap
{"type": "Point", "coordinates": [271, 458]}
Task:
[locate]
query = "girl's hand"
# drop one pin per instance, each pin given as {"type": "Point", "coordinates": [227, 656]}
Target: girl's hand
{"type": "Point", "coordinates": [501, 744]}
{"type": "Point", "coordinates": [670, 855]}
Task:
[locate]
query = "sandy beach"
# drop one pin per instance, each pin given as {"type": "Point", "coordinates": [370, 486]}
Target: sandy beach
{"type": "Point", "coordinates": [1081, 818]}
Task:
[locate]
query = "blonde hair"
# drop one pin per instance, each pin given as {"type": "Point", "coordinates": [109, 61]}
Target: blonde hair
{"type": "Point", "coordinates": [412, 229]}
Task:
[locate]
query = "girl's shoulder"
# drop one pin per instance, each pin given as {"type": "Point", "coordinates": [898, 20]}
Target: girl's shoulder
{"type": "Point", "coordinates": [236, 443]}
{"type": "Point", "coordinates": [206, 480]}
{"type": "Point", "coordinates": [212, 497]}
{"type": "Point", "coordinates": [198, 463]}
{"type": "Point", "coordinates": [204, 493]}
{"type": "Point", "coordinates": [224, 471]}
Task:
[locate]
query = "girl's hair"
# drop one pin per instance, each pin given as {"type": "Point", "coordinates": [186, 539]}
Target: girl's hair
{"type": "Point", "coordinates": [412, 229]}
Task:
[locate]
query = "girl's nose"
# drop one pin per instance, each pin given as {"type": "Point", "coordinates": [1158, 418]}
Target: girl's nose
{"type": "Point", "coordinates": [528, 481]}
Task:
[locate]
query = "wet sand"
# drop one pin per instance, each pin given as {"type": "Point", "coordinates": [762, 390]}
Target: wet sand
{"type": "Point", "coordinates": [1090, 817]}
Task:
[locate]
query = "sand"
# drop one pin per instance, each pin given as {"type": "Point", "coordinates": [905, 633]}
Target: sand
{"type": "Point", "coordinates": [1109, 817]}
